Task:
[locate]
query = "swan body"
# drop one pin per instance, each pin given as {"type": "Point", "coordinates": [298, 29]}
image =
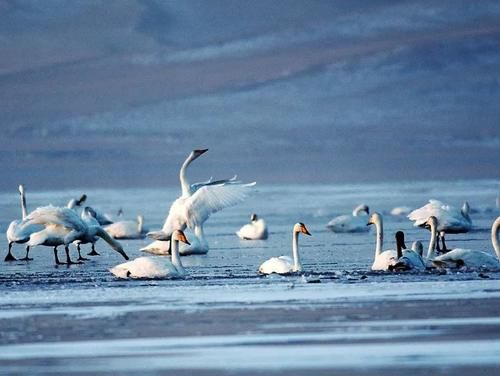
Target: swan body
{"type": "Point", "coordinates": [450, 219]}
{"type": "Point", "coordinates": [408, 259]}
{"type": "Point", "coordinates": [383, 260]}
{"type": "Point", "coordinates": [127, 229]}
{"type": "Point", "coordinates": [284, 264]}
{"type": "Point", "coordinates": [351, 223]}
{"type": "Point", "coordinates": [195, 205]}
{"type": "Point", "coordinates": [471, 258]}
{"type": "Point", "coordinates": [400, 210]}
{"type": "Point", "coordinates": [154, 267]}
{"type": "Point", "coordinates": [255, 230]}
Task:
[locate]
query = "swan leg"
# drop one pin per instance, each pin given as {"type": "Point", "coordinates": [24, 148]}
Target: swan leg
{"type": "Point", "coordinates": [9, 256]}
{"type": "Point", "coordinates": [80, 258]}
{"type": "Point", "coordinates": [93, 252]}
{"type": "Point", "coordinates": [27, 258]}
{"type": "Point", "coordinates": [68, 259]}
{"type": "Point", "coordinates": [438, 249]}
{"type": "Point", "coordinates": [57, 258]}
{"type": "Point", "coordinates": [444, 244]}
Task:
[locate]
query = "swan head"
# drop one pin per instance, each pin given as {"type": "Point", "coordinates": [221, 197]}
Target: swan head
{"type": "Point", "coordinates": [361, 209]}
{"type": "Point", "coordinates": [300, 227]}
{"type": "Point", "coordinates": [21, 189]}
{"type": "Point", "coordinates": [180, 236]}
{"type": "Point", "coordinates": [81, 200]}
{"type": "Point", "coordinates": [197, 152]}
{"type": "Point", "coordinates": [465, 209]}
{"type": "Point", "coordinates": [374, 219]}
{"type": "Point", "coordinates": [431, 222]}
{"type": "Point", "coordinates": [253, 217]}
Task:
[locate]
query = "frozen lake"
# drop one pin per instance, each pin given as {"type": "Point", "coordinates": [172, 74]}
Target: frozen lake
{"type": "Point", "coordinates": [225, 319]}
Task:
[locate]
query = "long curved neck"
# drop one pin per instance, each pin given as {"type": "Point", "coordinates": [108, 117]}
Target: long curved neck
{"type": "Point", "coordinates": [494, 237]}
{"type": "Point", "coordinates": [380, 237]}
{"type": "Point", "coordinates": [431, 251]}
{"type": "Point", "coordinates": [297, 266]}
{"type": "Point", "coordinates": [23, 205]}
{"type": "Point", "coordinates": [140, 223]}
{"type": "Point", "coordinates": [185, 186]}
{"type": "Point", "coordinates": [176, 259]}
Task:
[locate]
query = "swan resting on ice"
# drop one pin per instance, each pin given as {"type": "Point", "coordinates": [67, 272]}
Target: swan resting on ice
{"type": "Point", "coordinates": [255, 230]}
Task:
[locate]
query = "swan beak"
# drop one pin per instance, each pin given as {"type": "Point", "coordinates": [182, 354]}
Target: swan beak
{"type": "Point", "coordinates": [304, 230]}
{"type": "Point", "coordinates": [81, 200]}
{"type": "Point", "coordinates": [122, 252]}
{"type": "Point", "coordinates": [183, 238]}
{"type": "Point", "coordinates": [199, 152]}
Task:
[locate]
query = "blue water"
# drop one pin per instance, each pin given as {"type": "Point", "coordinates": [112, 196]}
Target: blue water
{"type": "Point", "coordinates": [226, 277]}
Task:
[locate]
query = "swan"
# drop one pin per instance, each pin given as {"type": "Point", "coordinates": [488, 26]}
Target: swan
{"type": "Point", "coordinates": [450, 219]}
{"type": "Point", "coordinates": [408, 259]}
{"type": "Point", "coordinates": [255, 230]}
{"type": "Point", "coordinates": [18, 231]}
{"type": "Point", "coordinates": [127, 229]}
{"type": "Point", "coordinates": [154, 267]}
{"type": "Point", "coordinates": [195, 205]}
{"type": "Point", "coordinates": [351, 223]}
{"type": "Point", "coordinates": [284, 264]}
{"type": "Point", "coordinates": [472, 258]}
{"type": "Point", "coordinates": [62, 226]}
{"type": "Point", "coordinates": [386, 259]}
{"type": "Point", "coordinates": [74, 203]}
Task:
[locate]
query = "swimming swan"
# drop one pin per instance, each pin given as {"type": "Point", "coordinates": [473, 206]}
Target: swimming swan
{"type": "Point", "coordinates": [154, 267]}
{"type": "Point", "coordinates": [472, 258]}
{"type": "Point", "coordinates": [386, 259]}
{"type": "Point", "coordinates": [284, 264]}
{"type": "Point", "coordinates": [195, 205]}
{"type": "Point", "coordinates": [62, 226]}
{"type": "Point", "coordinates": [351, 223]}
{"type": "Point", "coordinates": [255, 230]}
{"type": "Point", "coordinates": [408, 259]}
{"type": "Point", "coordinates": [450, 219]}
{"type": "Point", "coordinates": [127, 229]}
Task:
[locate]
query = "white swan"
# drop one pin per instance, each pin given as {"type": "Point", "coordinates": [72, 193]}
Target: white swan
{"type": "Point", "coordinates": [472, 258]}
{"type": "Point", "coordinates": [284, 264]}
{"type": "Point", "coordinates": [351, 223]}
{"type": "Point", "coordinates": [154, 267]}
{"type": "Point", "coordinates": [400, 210]}
{"type": "Point", "coordinates": [255, 230]}
{"type": "Point", "coordinates": [450, 220]}
{"type": "Point", "coordinates": [408, 259]}
{"type": "Point", "coordinates": [18, 231]}
{"type": "Point", "coordinates": [127, 229]}
{"type": "Point", "coordinates": [195, 205]}
{"type": "Point", "coordinates": [75, 203]}
{"type": "Point", "coordinates": [386, 259]}
{"type": "Point", "coordinates": [62, 226]}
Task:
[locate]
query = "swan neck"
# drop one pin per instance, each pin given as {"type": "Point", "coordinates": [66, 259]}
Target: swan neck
{"type": "Point", "coordinates": [494, 237]}
{"type": "Point", "coordinates": [176, 259]}
{"type": "Point", "coordinates": [140, 223]}
{"type": "Point", "coordinates": [185, 186]}
{"type": "Point", "coordinates": [380, 237]}
{"type": "Point", "coordinates": [399, 250]}
{"type": "Point", "coordinates": [432, 243]}
{"type": "Point", "coordinates": [23, 205]}
{"type": "Point", "coordinates": [297, 266]}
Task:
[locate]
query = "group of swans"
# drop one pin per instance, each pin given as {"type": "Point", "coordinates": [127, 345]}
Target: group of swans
{"type": "Point", "coordinates": [57, 226]}
{"type": "Point", "coordinates": [195, 205]}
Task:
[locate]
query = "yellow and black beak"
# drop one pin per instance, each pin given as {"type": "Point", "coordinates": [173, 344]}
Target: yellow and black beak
{"type": "Point", "coordinates": [183, 238]}
{"type": "Point", "coordinates": [304, 230]}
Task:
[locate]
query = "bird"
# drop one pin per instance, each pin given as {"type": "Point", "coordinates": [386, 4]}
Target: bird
{"type": "Point", "coordinates": [408, 259]}
{"type": "Point", "coordinates": [155, 267]}
{"type": "Point", "coordinates": [18, 231]}
{"type": "Point", "coordinates": [255, 230]}
{"type": "Point", "coordinates": [383, 259]}
{"type": "Point", "coordinates": [195, 205]}
{"type": "Point", "coordinates": [472, 258]}
{"type": "Point", "coordinates": [62, 226]}
{"type": "Point", "coordinates": [400, 210]}
{"type": "Point", "coordinates": [355, 222]}
{"type": "Point", "coordinates": [127, 229]}
{"type": "Point", "coordinates": [450, 219]}
{"type": "Point", "coordinates": [284, 264]}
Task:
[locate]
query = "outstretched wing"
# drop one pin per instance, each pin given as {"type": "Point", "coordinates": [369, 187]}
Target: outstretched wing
{"type": "Point", "coordinates": [211, 198]}
{"type": "Point", "coordinates": [47, 215]}
{"type": "Point", "coordinates": [196, 186]}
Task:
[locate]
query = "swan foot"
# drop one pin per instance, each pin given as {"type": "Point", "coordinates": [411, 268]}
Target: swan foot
{"type": "Point", "coordinates": [93, 252]}
{"type": "Point", "coordinates": [26, 258]}
{"type": "Point", "coordinates": [10, 257]}
{"type": "Point", "coordinates": [81, 258]}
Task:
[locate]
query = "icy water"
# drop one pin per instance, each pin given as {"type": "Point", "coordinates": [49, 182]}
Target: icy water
{"type": "Point", "coordinates": [225, 319]}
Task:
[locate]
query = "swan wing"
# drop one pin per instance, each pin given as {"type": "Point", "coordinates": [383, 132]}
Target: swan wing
{"type": "Point", "coordinates": [467, 257]}
{"type": "Point", "coordinates": [210, 199]}
{"type": "Point", "coordinates": [196, 186]}
{"type": "Point", "coordinates": [385, 260]}
{"type": "Point", "coordinates": [144, 267]}
{"type": "Point", "coordinates": [279, 265]}
{"type": "Point", "coordinates": [48, 215]}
